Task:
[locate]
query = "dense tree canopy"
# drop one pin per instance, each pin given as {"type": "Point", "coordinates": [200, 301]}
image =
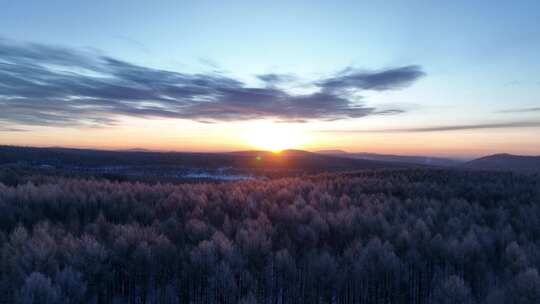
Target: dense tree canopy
{"type": "Point", "coordinates": [402, 236]}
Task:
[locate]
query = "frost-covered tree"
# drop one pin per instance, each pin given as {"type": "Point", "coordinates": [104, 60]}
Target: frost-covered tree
{"type": "Point", "coordinates": [411, 236]}
{"type": "Point", "coordinates": [38, 289]}
{"type": "Point", "coordinates": [452, 290]}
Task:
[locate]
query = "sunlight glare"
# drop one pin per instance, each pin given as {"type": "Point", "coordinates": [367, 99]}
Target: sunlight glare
{"type": "Point", "coordinates": [274, 138]}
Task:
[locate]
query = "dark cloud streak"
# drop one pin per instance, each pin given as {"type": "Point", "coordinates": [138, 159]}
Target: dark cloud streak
{"type": "Point", "coordinates": [10, 129]}
{"type": "Point", "coordinates": [505, 125]}
{"type": "Point", "coordinates": [389, 79]}
{"type": "Point", "coordinates": [54, 86]}
{"type": "Point", "coordinates": [521, 110]}
{"type": "Point", "coordinates": [275, 79]}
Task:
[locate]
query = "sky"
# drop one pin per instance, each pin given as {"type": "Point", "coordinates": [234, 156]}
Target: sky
{"type": "Point", "coordinates": [452, 78]}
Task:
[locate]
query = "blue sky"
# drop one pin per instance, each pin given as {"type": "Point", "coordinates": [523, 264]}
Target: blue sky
{"type": "Point", "coordinates": [480, 58]}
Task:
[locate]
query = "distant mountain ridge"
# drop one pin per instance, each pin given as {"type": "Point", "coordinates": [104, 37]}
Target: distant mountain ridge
{"type": "Point", "coordinates": [286, 160]}
{"type": "Point", "coordinates": [506, 162]}
{"type": "Point", "coordinates": [136, 150]}
{"type": "Point", "coordinates": [296, 160]}
{"type": "Point", "coordinates": [421, 160]}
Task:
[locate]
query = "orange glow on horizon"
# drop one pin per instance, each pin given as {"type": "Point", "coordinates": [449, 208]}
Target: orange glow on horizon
{"type": "Point", "coordinates": [189, 136]}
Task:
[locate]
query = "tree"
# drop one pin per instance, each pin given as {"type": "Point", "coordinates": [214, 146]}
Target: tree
{"type": "Point", "coordinates": [38, 289]}
{"type": "Point", "coordinates": [409, 236]}
{"type": "Point", "coordinates": [453, 290]}
{"type": "Point", "coordinates": [71, 286]}
{"type": "Point", "coordinates": [248, 299]}
{"type": "Point", "coordinates": [525, 288]}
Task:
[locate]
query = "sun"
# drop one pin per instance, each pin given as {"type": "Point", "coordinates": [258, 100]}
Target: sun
{"type": "Point", "coordinates": [274, 138]}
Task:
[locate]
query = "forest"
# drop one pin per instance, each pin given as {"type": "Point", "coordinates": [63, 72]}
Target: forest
{"type": "Point", "coordinates": [419, 236]}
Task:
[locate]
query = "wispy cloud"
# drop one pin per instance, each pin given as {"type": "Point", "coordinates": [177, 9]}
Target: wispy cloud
{"type": "Point", "coordinates": [48, 85]}
{"type": "Point", "coordinates": [10, 129]}
{"type": "Point", "coordinates": [504, 125]}
{"type": "Point", "coordinates": [383, 80]}
{"type": "Point", "coordinates": [273, 79]}
{"type": "Point", "coordinates": [521, 110]}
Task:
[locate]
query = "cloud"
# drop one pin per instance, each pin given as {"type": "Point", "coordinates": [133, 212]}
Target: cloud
{"type": "Point", "coordinates": [10, 129]}
{"type": "Point", "coordinates": [383, 80]}
{"type": "Point", "coordinates": [520, 110]}
{"type": "Point", "coordinates": [505, 125]}
{"type": "Point", "coordinates": [55, 86]}
{"type": "Point", "coordinates": [272, 79]}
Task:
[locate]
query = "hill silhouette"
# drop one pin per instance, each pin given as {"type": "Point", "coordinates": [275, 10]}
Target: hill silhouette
{"type": "Point", "coordinates": [297, 160]}
{"type": "Point", "coordinates": [506, 162]}
{"type": "Point", "coordinates": [422, 160]}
